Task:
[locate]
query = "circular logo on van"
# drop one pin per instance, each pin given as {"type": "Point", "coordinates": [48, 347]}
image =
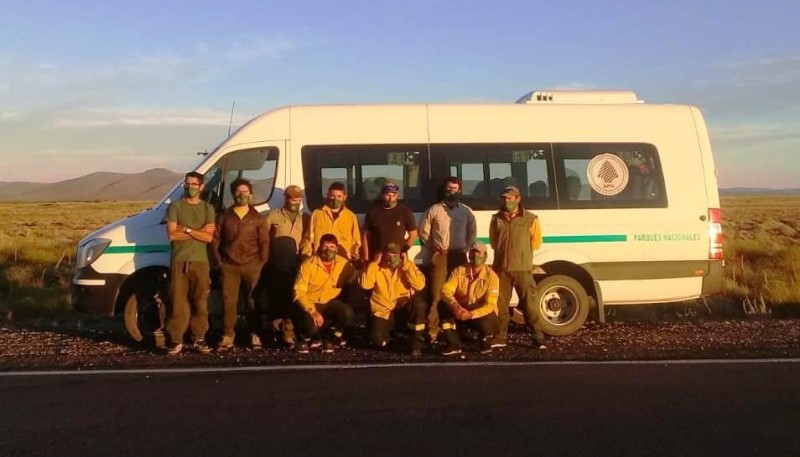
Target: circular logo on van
{"type": "Point", "coordinates": [608, 174]}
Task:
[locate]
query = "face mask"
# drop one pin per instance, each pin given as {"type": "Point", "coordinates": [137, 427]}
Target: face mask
{"type": "Point", "coordinates": [242, 200]}
{"type": "Point", "coordinates": [478, 260]}
{"type": "Point", "coordinates": [191, 192]}
{"type": "Point", "coordinates": [394, 262]}
{"type": "Point", "coordinates": [452, 198]}
{"type": "Point", "coordinates": [335, 203]}
{"type": "Point", "coordinates": [389, 204]}
{"type": "Point", "coordinates": [510, 206]}
{"type": "Point", "coordinates": [327, 255]}
{"type": "Point", "coordinates": [293, 208]}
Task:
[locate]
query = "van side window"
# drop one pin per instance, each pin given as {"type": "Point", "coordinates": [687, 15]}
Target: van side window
{"type": "Point", "coordinates": [259, 166]}
{"type": "Point", "coordinates": [609, 176]}
{"type": "Point", "coordinates": [364, 169]}
{"type": "Point", "coordinates": [485, 170]}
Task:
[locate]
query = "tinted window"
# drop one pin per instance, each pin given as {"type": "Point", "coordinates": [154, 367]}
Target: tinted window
{"type": "Point", "coordinates": [485, 170]}
{"type": "Point", "coordinates": [609, 176]}
{"type": "Point", "coordinates": [364, 169]}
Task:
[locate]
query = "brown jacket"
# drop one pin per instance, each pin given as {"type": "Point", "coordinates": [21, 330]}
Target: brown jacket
{"type": "Point", "coordinates": [240, 241]}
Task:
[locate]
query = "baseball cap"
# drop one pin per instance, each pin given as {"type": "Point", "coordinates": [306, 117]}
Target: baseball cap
{"type": "Point", "coordinates": [479, 246]}
{"type": "Point", "coordinates": [511, 191]}
{"type": "Point", "coordinates": [394, 248]}
{"type": "Point", "coordinates": [389, 186]}
{"type": "Point", "coordinates": [293, 191]}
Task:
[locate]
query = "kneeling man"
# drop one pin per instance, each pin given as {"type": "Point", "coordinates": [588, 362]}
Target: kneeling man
{"type": "Point", "coordinates": [316, 291]}
{"type": "Point", "coordinates": [469, 297]}
{"type": "Point", "coordinates": [396, 284]}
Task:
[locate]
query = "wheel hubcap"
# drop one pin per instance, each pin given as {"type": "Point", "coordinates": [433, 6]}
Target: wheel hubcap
{"type": "Point", "coordinates": [559, 305]}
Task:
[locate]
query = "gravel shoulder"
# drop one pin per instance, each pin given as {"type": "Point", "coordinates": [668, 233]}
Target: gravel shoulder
{"type": "Point", "coordinates": [77, 342]}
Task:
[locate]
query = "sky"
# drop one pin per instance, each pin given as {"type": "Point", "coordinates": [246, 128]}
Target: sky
{"type": "Point", "coordinates": [122, 86]}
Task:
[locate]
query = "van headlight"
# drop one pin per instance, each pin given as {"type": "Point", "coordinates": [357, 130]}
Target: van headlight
{"type": "Point", "coordinates": [90, 251]}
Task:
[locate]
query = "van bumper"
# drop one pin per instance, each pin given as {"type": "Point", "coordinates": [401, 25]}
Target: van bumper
{"type": "Point", "coordinates": [95, 293]}
{"type": "Point", "coordinates": [714, 280]}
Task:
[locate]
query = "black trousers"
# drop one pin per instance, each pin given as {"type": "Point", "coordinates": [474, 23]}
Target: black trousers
{"type": "Point", "coordinates": [337, 314]}
{"type": "Point", "coordinates": [411, 313]}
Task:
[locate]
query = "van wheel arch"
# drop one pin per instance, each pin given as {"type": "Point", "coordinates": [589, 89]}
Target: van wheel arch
{"type": "Point", "coordinates": [142, 301]}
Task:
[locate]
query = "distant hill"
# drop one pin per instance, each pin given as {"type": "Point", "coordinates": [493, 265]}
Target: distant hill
{"type": "Point", "coordinates": [149, 185]}
{"type": "Point", "coordinates": [758, 191]}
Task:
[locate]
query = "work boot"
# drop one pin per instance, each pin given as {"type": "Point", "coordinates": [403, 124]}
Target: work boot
{"type": "Point", "coordinates": [451, 349]}
{"type": "Point", "coordinates": [302, 347]}
{"type": "Point", "coordinates": [499, 342]}
{"type": "Point", "coordinates": [174, 348]}
{"type": "Point", "coordinates": [226, 343]}
{"type": "Point", "coordinates": [327, 347]}
{"type": "Point", "coordinates": [255, 342]}
{"type": "Point", "coordinates": [201, 347]}
{"type": "Point", "coordinates": [486, 346]}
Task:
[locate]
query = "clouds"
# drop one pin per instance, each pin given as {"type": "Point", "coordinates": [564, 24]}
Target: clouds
{"type": "Point", "coordinates": [107, 117]}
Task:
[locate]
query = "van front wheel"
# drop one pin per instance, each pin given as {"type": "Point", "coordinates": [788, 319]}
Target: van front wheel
{"type": "Point", "coordinates": [562, 304]}
{"type": "Point", "coordinates": [145, 314]}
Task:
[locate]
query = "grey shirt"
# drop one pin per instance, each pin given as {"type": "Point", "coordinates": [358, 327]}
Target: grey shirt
{"type": "Point", "coordinates": [448, 229]}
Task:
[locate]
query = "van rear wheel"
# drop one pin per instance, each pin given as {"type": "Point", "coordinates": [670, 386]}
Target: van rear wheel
{"type": "Point", "coordinates": [562, 304]}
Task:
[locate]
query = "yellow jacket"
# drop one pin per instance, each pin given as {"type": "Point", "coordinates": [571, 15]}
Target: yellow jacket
{"type": "Point", "coordinates": [478, 294]}
{"type": "Point", "coordinates": [390, 287]}
{"type": "Point", "coordinates": [345, 227]}
{"type": "Point", "coordinates": [314, 285]}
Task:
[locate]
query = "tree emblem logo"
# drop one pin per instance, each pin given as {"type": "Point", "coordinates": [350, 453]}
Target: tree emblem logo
{"type": "Point", "coordinates": [607, 174]}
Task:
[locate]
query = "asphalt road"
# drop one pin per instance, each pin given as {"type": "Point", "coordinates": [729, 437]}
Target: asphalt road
{"type": "Point", "coordinates": [699, 408]}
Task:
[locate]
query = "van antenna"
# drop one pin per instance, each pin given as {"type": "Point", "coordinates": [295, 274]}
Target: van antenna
{"type": "Point", "coordinates": [230, 123]}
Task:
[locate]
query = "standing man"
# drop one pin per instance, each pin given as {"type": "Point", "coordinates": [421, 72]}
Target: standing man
{"type": "Point", "coordinates": [240, 248]}
{"type": "Point", "coordinates": [448, 230]}
{"type": "Point", "coordinates": [190, 227]}
{"type": "Point", "coordinates": [317, 289]}
{"type": "Point", "coordinates": [396, 284]}
{"type": "Point", "coordinates": [334, 217]}
{"type": "Point", "coordinates": [470, 297]}
{"type": "Point", "coordinates": [514, 234]}
{"type": "Point", "coordinates": [388, 222]}
{"type": "Point", "coordinates": [286, 227]}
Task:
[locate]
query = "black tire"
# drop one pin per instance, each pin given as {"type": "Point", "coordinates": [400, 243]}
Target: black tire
{"type": "Point", "coordinates": [562, 304]}
{"type": "Point", "coordinates": [145, 310]}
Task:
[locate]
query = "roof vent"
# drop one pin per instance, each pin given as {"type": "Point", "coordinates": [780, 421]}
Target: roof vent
{"type": "Point", "coordinates": [585, 97]}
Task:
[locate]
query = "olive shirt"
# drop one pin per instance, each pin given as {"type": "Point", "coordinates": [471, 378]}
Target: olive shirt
{"type": "Point", "coordinates": [194, 216]}
{"type": "Point", "coordinates": [286, 230]}
{"type": "Point", "coordinates": [388, 225]}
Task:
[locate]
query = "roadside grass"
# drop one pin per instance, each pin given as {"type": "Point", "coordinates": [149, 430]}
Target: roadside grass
{"type": "Point", "coordinates": [762, 252]}
{"type": "Point", "coordinates": [38, 242]}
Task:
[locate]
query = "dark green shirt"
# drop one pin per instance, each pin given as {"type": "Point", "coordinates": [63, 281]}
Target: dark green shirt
{"type": "Point", "coordinates": [195, 217]}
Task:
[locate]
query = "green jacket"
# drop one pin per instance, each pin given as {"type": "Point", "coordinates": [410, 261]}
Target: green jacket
{"type": "Point", "coordinates": [514, 240]}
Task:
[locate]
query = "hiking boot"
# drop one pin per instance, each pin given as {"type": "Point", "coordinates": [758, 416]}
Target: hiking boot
{"type": "Point", "coordinates": [327, 347]}
{"type": "Point", "coordinates": [201, 347]}
{"type": "Point", "coordinates": [338, 341]}
{"type": "Point", "coordinates": [315, 343]}
{"type": "Point", "coordinates": [174, 348]}
{"type": "Point", "coordinates": [381, 344]}
{"type": "Point", "coordinates": [451, 349]}
{"type": "Point", "coordinates": [255, 342]}
{"type": "Point", "coordinates": [302, 347]}
{"type": "Point", "coordinates": [486, 346]}
{"type": "Point", "coordinates": [226, 343]}
{"type": "Point", "coordinates": [498, 342]}
{"type": "Point", "coordinates": [538, 343]}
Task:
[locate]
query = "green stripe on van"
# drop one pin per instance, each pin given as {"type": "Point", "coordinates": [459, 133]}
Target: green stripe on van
{"type": "Point", "coordinates": [576, 239]}
{"type": "Point", "coordinates": [138, 248]}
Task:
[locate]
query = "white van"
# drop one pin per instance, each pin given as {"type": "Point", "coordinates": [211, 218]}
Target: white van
{"type": "Point", "coordinates": [626, 193]}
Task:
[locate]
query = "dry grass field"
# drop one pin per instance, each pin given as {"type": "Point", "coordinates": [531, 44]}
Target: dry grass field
{"type": "Point", "coordinates": [38, 243]}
